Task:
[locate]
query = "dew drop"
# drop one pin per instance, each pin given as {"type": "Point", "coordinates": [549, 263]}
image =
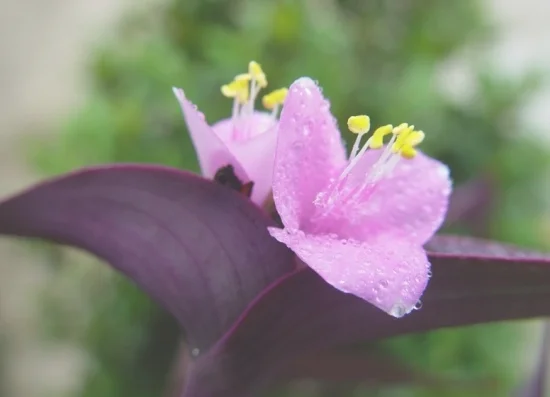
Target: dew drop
{"type": "Point", "coordinates": [418, 305]}
{"type": "Point", "coordinates": [384, 284]}
{"type": "Point", "coordinates": [297, 146]}
{"type": "Point", "coordinates": [443, 171]}
{"type": "Point", "coordinates": [398, 310]}
{"type": "Point", "coordinates": [195, 352]}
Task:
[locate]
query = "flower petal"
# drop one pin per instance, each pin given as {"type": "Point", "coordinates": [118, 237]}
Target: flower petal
{"type": "Point", "coordinates": [309, 151]}
{"type": "Point", "coordinates": [408, 204]}
{"type": "Point", "coordinates": [212, 153]}
{"type": "Point", "coordinates": [390, 275]}
{"type": "Point", "coordinates": [257, 154]}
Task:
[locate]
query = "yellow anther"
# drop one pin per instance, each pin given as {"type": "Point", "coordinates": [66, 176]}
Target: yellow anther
{"type": "Point", "coordinates": [256, 72]}
{"type": "Point", "coordinates": [406, 141]}
{"type": "Point", "coordinates": [274, 98]}
{"type": "Point", "coordinates": [238, 88]}
{"type": "Point", "coordinates": [415, 138]}
{"type": "Point", "coordinates": [402, 138]}
{"type": "Point", "coordinates": [408, 152]}
{"type": "Point", "coordinates": [402, 128]}
{"type": "Point", "coordinates": [377, 139]}
{"type": "Point", "coordinates": [359, 124]}
{"type": "Point", "coordinates": [242, 77]}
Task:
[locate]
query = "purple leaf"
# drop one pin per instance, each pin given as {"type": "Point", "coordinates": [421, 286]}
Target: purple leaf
{"type": "Point", "coordinates": [204, 253]}
{"type": "Point", "coordinates": [373, 368]}
{"type": "Point", "coordinates": [302, 314]}
{"type": "Point", "coordinates": [470, 204]}
{"type": "Point", "coordinates": [200, 249]}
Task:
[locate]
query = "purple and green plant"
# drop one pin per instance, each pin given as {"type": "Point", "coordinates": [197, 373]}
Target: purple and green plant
{"type": "Point", "coordinates": [264, 296]}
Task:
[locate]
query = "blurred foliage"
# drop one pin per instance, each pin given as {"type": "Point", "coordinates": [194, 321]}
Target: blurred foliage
{"type": "Point", "coordinates": [385, 58]}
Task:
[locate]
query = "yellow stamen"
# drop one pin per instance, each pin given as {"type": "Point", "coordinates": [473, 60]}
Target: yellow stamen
{"type": "Point", "coordinates": [359, 124]}
{"type": "Point", "coordinates": [274, 98]}
{"type": "Point", "coordinates": [402, 128]}
{"type": "Point", "coordinates": [243, 77]}
{"type": "Point", "coordinates": [415, 138]}
{"type": "Point", "coordinates": [377, 139]}
{"type": "Point", "coordinates": [257, 74]}
{"type": "Point", "coordinates": [238, 89]}
{"type": "Point", "coordinates": [408, 152]}
{"type": "Point", "coordinates": [406, 141]}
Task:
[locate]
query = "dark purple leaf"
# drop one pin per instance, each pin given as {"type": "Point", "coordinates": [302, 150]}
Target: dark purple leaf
{"type": "Point", "coordinates": [198, 248]}
{"type": "Point", "coordinates": [301, 313]}
{"type": "Point", "coordinates": [374, 368]}
{"type": "Point", "coordinates": [470, 204]}
{"type": "Point", "coordinates": [536, 384]}
{"type": "Point", "coordinates": [203, 252]}
{"type": "Point", "coordinates": [353, 367]}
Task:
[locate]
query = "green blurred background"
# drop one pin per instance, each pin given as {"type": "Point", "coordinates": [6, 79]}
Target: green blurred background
{"type": "Point", "coordinates": [382, 58]}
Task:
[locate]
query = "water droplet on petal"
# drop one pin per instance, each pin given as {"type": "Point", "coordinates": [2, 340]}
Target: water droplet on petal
{"type": "Point", "coordinates": [443, 171]}
{"type": "Point", "coordinates": [384, 284]}
{"type": "Point", "coordinates": [297, 146]}
{"type": "Point", "coordinates": [398, 310]}
{"type": "Point", "coordinates": [418, 305]}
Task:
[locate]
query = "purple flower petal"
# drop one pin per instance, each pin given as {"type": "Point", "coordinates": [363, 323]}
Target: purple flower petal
{"type": "Point", "coordinates": [256, 154]}
{"type": "Point", "coordinates": [309, 150]}
{"type": "Point", "coordinates": [376, 200]}
{"type": "Point", "coordinates": [388, 274]}
{"type": "Point", "coordinates": [212, 152]}
{"type": "Point", "coordinates": [409, 204]}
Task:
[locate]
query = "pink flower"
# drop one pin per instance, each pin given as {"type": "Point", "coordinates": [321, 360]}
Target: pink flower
{"type": "Point", "coordinates": [361, 222]}
{"type": "Point", "coordinates": [246, 141]}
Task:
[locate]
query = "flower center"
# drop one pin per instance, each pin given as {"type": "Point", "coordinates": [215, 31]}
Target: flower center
{"type": "Point", "coordinates": [349, 189]}
{"type": "Point", "coordinates": [244, 90]}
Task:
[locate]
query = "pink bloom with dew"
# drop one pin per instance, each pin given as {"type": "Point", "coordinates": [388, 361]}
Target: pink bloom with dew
{"type": "Point", "coordinates": [246, 141]}
{"type": "Point", "coordinates": [361, 222]}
